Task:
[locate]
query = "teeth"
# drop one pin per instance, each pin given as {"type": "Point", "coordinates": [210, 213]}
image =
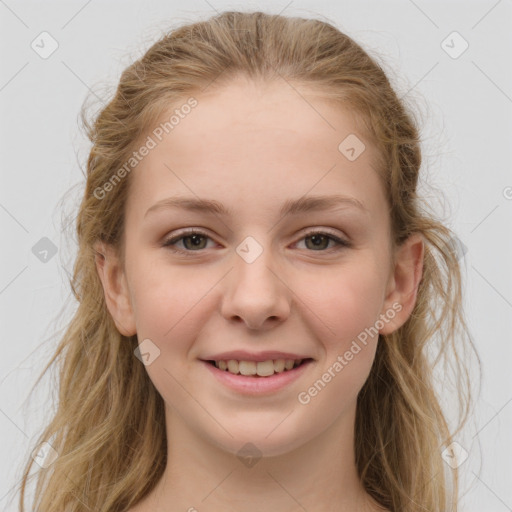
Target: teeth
{"type": "Point", "coordinates": [261, 368]}
{"type": "Point", "coordinates": [232, 366]}
{"type": "Point", "coordinates": [288, 364]}
{"type": "Point", "coordinates": [247, 367]}
{"type": "Point", "coordinates": [265, 368]}
{"type": "Point", "coordinates": [279, 365]}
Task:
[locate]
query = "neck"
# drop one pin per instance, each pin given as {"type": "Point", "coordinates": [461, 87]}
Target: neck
{"type": "Point", "coordinates": [318, 476]}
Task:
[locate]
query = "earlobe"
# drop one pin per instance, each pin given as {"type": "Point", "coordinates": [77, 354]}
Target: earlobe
{"type": "Point", "coordinates": [115, 288]}
{"type": "Point", "coordinates": [404, 282]}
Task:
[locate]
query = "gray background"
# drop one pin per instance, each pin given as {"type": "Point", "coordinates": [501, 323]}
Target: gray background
{"type": "Point", "coordinates": [466, 112]}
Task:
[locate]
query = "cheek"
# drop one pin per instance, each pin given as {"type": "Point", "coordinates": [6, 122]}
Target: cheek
{"type": "Point", "coordinates": [348, 305]}
{"type": "Point", "coordinates": [168, 302]}
{"type": "Point", "coordinates": [346, 301]}
{"type": "Point", "coordinates": [171, 307]}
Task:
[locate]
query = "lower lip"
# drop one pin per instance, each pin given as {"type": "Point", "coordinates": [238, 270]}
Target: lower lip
{"type": "Point", "coordinates": [253, 385]}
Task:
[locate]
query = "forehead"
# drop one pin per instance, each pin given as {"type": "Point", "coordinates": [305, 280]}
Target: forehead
{"type": "Point", "coordinates": [247, 107]}
{"type": "Point", "coordinates": [260, 140]}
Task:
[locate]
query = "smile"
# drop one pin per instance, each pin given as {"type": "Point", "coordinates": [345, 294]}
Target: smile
{"type": "Point", "coordinates": [260, 368]}
{"type": "Point", "coordinates": [251, 382]}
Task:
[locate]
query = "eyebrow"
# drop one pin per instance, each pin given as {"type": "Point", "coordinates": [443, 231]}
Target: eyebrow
{"type": "Point", "coordinates": [304, 204]}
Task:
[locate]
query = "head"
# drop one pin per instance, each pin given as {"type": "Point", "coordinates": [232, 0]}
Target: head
{"type": "Point", "coordinates": [252, 147]}
{"type": "Point", "coordinates": [255, 112]}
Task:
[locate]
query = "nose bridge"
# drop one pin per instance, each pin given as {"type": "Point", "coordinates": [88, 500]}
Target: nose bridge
{"type": "Point", "coordinates": [255, 291]}
{"type": "Point", "coordinates": [254, 262]}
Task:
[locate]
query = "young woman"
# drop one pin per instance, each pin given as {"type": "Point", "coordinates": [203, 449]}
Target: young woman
{"type": "Point", "coordinates": [260, 288]}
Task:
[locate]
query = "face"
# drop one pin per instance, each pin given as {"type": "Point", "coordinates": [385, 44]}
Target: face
{"type": "Point", "coordinates": [313, 284]}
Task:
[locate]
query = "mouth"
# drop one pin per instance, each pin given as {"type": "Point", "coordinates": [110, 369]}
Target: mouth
{"type": "Point", "coordinates": [258, 369]}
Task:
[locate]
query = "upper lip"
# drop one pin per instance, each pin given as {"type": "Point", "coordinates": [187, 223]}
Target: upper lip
{"type": "Point", "coordinates": [242, 355]}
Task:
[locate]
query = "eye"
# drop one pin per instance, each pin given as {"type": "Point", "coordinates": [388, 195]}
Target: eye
{"type": "Point", "coordinates": [318, 239]}
{"type": "Point", "coordinates": [191, 240]}
{"type": "Point", "coordinates": [192, 235]}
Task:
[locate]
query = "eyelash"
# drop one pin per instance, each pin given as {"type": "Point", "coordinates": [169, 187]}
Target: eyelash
{"type": "Point", "coordinates": [341, 244]}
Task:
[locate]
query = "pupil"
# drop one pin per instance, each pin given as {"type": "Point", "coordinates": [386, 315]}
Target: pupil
{"type": "Point", "coordinates": [195, 239]}
{"type": "Point", "coordinates": [317, 240]}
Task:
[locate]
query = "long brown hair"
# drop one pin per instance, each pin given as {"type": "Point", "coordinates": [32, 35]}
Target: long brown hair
{"type": "Point", "coordinates": [109, 455]}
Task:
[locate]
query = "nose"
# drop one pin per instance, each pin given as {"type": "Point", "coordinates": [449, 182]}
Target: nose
{"type": "Point", "coordinates": [256, 293]}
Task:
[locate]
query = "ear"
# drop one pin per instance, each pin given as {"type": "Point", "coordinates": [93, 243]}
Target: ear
{"type": "Point", "coordinates": [115, 288]}
{"type": "Point", "coordinates": [403, 283]}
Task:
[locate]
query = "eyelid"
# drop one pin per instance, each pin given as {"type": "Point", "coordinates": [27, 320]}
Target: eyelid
{"type": "Point", "coordinates": [176, 237]}
{"type": "Point", "coordinates": [341, 242]}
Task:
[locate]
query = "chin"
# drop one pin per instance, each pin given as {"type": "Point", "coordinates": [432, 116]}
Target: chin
{"type": "Point", "coordinates": [257, 442]}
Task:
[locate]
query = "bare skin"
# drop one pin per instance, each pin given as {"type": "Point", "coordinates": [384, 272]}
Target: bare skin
{"type": "Point", "coordinates": [251, 147]}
